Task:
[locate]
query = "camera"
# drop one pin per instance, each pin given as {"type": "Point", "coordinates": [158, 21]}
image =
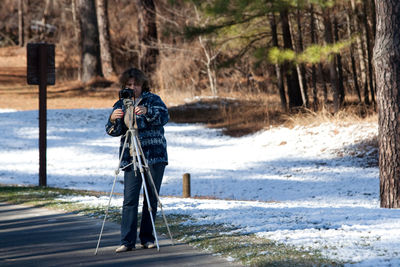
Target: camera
{"type": "Point", "coordinates": [126, 93]}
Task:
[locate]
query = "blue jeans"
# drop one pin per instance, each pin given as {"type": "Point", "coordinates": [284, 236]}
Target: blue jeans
{"type": "Point", "coordinates": [132, 186]}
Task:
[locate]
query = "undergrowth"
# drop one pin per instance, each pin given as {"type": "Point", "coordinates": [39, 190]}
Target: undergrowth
{"type": "Point", "coordinates": [349, 114]}
{"type": "Point", "coordinates": [241, 116]}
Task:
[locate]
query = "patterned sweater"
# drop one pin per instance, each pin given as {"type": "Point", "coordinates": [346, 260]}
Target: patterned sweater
{"type": "Point", "coordinates": [150, 129]}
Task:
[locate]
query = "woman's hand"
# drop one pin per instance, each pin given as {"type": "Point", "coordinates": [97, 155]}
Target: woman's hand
{"type": "Point", "coordinates": [117, 114]}
{"type": "Point", "coordinates": [140, 110]}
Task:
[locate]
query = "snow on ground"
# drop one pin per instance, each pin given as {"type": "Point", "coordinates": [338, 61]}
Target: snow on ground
{"type": "Point", "coordinates": [311, 187]}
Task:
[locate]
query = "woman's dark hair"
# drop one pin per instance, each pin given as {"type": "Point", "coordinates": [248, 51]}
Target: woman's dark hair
{"type": "Point", "coordinates": [137, 75]}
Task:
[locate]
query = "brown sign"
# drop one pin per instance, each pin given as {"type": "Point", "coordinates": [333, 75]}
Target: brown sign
{"type": "Point", "coordinates": [34, 57]}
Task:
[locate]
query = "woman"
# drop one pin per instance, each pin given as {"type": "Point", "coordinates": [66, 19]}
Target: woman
{"type": "Point", "coordinates": [151, 116]}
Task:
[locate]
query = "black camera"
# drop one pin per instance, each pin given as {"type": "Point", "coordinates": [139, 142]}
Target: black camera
{"type": "Point", "coordinates": [126, 93]}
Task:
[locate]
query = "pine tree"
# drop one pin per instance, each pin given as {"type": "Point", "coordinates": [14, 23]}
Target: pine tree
{"type": "Point", "coordinates": [387, 61]}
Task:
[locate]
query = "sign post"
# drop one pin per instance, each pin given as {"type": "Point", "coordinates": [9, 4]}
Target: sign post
{"type": "Point", "coordinates": [41, 71]}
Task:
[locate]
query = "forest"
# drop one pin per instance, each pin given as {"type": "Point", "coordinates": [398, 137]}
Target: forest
{"type": "Point", "coordinates": [288, 55]}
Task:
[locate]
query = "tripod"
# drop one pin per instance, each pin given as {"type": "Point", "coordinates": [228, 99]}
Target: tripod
{"type": "Point", "coordinates": [139, 162]}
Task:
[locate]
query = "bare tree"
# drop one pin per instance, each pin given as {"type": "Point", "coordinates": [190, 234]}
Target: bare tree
{"type": "Point", "coordinates": [210, 57]}
{"type": "Point", "coordinates": [104, 37]}
{"type": "Point", "coordinates": [148, 38]}
{"type": "Point", "coordinates": [46, 15]}
{"type": "Point", "coordinates": [90, 59]}
{"type": "Point", "coordinates": [387, 60]}
{"type": "Point", "coordinates": [27, 17]}
{"type": "Point", "coordinates": [46, 11]}
{"type": "Point", "coordinates": [21, 41]}
{"type": "Point", "coordinates": [77, 33]}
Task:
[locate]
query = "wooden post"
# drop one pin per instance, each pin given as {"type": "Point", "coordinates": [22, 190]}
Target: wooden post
{"type": "Point", "coordinates": [41, 71]}
{"type": "Point", "coordinates": [42, 114]}
{"type": "Point", "coordinates": [186, 185]}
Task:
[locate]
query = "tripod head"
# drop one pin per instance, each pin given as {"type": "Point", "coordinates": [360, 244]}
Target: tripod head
{"type": "Point", "coordinates": [130, 116]}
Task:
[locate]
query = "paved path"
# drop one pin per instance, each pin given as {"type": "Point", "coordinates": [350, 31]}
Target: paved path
{"type": "Point", "coordinates": [40, 237]}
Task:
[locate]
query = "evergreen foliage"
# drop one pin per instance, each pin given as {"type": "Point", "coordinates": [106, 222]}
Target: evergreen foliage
{"type": "Point", "coordinates": [241, 25]}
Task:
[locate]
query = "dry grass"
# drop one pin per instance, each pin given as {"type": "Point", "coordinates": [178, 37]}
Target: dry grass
{"type": "Point", "coordinates": [349, 114]}
{"type": "Point", "coordinates": [67, 95]}
{"type": "Point", "coordinates": [241, 114]}
{"type": "Point", "coordinates": [237, 116]}
{"type": "Point", "coordinates": [174, 98]}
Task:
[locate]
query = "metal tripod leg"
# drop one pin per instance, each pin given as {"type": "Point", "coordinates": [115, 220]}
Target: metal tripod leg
{"type": "Point", "coordinates": [111, 194]}
{"type": "Point", "coordinates": [146, 166]}
{"type": "Point", "coordinates": [105, 216]}
{"type": "Point", "coordinates": [146, 193]}
{"type": "Point", "coordinates": [159, 203]}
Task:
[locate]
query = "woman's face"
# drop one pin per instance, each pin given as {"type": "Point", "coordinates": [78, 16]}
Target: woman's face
{"type": "Point", "coordinates": [137, 89]}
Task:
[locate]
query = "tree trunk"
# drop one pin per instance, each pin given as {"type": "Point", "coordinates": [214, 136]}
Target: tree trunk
{"type": "Point", "coordinates": [292, 78]}
{"type": "Point", "coordinates": [210, 70]}
{"type": "Point", "coordinates": [104, 37]}
{"type": "Point", "coordinates": [340, 84]}
{"type": "Point", "coordinates": [313, 68]}
{"type": "Point", "coordinates": [360, 52]}
{"type": "Point", "coordinates": [352, 59]}
{"type": "Point", "coordinates": [278, 69]}
{"type": "Point", "coordinates": [27, 19]}
{"type": "Point", "coordinates": [46, 12]}
{"type": "Point", "coordinates": [45, 18]}
{"type": "Point", "coordinates": [369, 53]}
{"type": "Point", "coordinates": [373, 17]}
{"type": "Point", "coordinates": [20, 23]}
{"type": "Point", "coordinates": [90, 60]}
{"type": "Point", "coordinates": [300, 67]}
{"type": "Point", "coordinates": [210, 60]}
{"type": "Point", "coordinates": [77, 34]}
{"type": "Point", "coordinates": [324, 87]}
{"type": "Point", "coordinates": [320, 68]}
{"type": "Point", "coordinates": [331, 64]}
{"type": "Point", "coordinates": [387, 60]}
{"type": "Point", "coordinates": [148, 38]}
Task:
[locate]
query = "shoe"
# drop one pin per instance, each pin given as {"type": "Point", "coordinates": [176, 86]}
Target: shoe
{"type": "Point", "coordinates": [148, 245]}
{"type": "Point", "coordinates": [123, 248]}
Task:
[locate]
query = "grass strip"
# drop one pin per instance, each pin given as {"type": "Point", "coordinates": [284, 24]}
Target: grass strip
{"type": "Point", "coordinates": [223, 240]}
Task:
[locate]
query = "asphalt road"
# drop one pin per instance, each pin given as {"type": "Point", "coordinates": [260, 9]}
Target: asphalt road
{"type": "Point", "coordinates": [31, 236]}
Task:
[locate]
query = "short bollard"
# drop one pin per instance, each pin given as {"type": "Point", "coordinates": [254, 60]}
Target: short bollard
{"type": "Point", "coordinates": [186, 185]}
